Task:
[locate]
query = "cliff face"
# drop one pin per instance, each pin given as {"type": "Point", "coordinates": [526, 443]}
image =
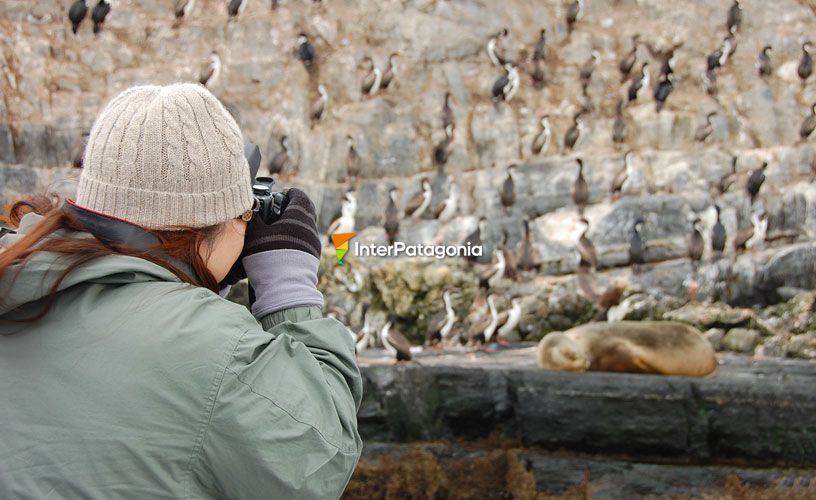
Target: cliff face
{"type": "Point", "coordinates": [54, 83]}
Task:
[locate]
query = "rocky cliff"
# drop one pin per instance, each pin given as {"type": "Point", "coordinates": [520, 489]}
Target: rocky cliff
{"type": "Point", "coordinates": [53, 83]}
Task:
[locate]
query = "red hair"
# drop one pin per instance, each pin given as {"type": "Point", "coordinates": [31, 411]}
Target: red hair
{"type": "Point", "coordinates": [182, 245]}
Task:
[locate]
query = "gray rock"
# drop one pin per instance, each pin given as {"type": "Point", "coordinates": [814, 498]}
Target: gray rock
{"type": "Point", "coordinates": [715, 336]}
{"type": "Point", "coordinates": [740, 340]}
{"type": "Point", "coordinates": [803, 346]}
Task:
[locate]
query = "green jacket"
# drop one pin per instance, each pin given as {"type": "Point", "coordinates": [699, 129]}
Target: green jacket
{"type": "Point", "coordinates": [136, 385]}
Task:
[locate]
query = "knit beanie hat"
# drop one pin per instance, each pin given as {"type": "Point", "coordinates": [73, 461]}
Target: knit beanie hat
{"type": "Point", "coordinates": [164, 156]}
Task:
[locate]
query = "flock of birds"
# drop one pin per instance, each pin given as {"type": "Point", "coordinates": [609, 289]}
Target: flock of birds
{"type": "Point", "coordinates": [522, 260]}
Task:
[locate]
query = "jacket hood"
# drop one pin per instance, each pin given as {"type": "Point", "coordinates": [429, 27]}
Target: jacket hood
{"type": "Point", "coordinates": [22, 284]}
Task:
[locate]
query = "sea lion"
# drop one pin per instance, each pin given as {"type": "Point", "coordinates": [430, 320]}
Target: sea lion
{"type": "Point", "coordinates": [663, 347]}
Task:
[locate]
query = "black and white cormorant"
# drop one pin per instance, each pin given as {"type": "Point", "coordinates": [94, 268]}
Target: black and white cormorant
{"type": "Point", "coordinates": [575, 132]}
{"type": "Point", "coordinates": [394, 342]}
{"type": "Point", "coordinates": [580, 189]}
{"type": "Point", "coordinates": [372, 79]}
{"type": "Point", "coordinates": [510, 262]}
{"type": "Point", "coordinates": [362, 331]}
{"type": "Point", "coordinates": [575, 11]}
{"type": "Point", "coordinates": [755, 181]}
{"type": "Point", "coordinates": [637, 246]}
{"type": "Point", "coordinates": [639, 85]}
{"type": "Point", "coordinates": [492, 48]}
{"type": "Point", "coordinates": [506, 86]}
{"type": "Point", "coordinates": [512, 320]}
{"type": "Point", "coordinates": [628, 62]}
{"type": "Point", "coordinates": [182, 9]}
{"type": "Point", "coordinates": [662, 91]}
{"type": "Point", "coordinates": [696, 243]}
{"type": "Point", "coordinates": [281, 158]}
{"type": "Point", "coordinates": [446, 209]}
{"type": "Point", "coordinates": [805, 68]}
{"type": "Point", "coordinates": [305, 50]}
{"type": "Point", "coordinates": [731, 40]}
{"type": "Point", "coordinates": [507, 193]}
{"type": "Point", "coordinates": [718, 234]}
{"type": "Point", "coordinates": [352, 160]}
{"type": "Point", "coordinates": [541, 141]}
{"type": "Point", "coordinates": [210, 70]}
{"type": "Point", "coordinates": [392, 216]}
{"type": "Point", "coordinates": [619, 125]}
{"type": "Point", "coordinates": [441, 324]}
{"type": "Point", "coordinates": [492, 276]}
{"type": "Point", "coordinates": [753, 235]}
{"type": "Point", "coordinates": [709, 80]}
{"type": "Point", "coordinates": [539, 51]}
{"type": "Point", "coordinates": [442, 149]}
{"type": "Point", "coordinates": [588, 256]}
{"type": "Point", "coordinates": [623, 174]}
{"type": "Point", "coordinates": [705, 130]}
{"type": "Point", "coordinates": [720, 55]}
{"type": "Point", "coordinates": [727, 180]}
{"type": "Point", "coordinates": [734, 19]}
{"type": "Point", "coordinates": [76, 14]}
{"type": "Point", "coordinates": [808, 124]}
{"type": "Point", "coordinates": [388, 74]}
{"type": "Point", "coordinates": [447, 112]}
{"type": "Point", "coordinates": [419, 203]}
{"type": "Point", "coordinates": [319, 106]}
{"type": "Point", "coordinates": [525, 250]}
{"type": "Point", "coordinates": [236, 7]}
{"type": "Point", "coordinates": [763, 64]}
{"type": "Point", "coordinates": [474, 239]}
{"type": "Point", "coordinates": [585, 75]}
{"type": "Point", "coordinates": [538, 76]}
{"type": "Point", "coordinates": [98, 15]}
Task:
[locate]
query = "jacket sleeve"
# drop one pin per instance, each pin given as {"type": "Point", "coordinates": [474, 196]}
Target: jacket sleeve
{"type": "Point", "coordinates": [284, 422]}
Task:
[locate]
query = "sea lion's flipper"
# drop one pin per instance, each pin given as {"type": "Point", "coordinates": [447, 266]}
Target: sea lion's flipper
{"type": "Point", "coordinates": [620, 356]}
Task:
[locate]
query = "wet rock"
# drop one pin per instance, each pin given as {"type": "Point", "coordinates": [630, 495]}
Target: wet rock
{"type": "Point", "coordinates": [740, 340]}
{"type": "Point", "coordinates": [715, 336]}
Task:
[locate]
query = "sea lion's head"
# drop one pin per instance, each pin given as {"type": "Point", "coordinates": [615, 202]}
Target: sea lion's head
{"type": "Point", "coordinates": [556, 351]}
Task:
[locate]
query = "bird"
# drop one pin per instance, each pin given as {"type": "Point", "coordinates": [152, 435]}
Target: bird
{"type": "Point", "coordinates": [420, 202]}
{"type": "Point", "coordinates": [394, 342]}
{"type": "Point", "coordinates": [474, 239]}
{"type": "Point", "coordinates": [539, 79]}
{"type": "Point", "coordinates": [388, 74]}
{"type": "Point", "coordinates": [527, 255]}
{"type": "Point", "coordinates": [78, 155]}
{"type": "Point", "coordinates": [182, 10]}
{"type": "Point", "coordinates": [441, 325]}
{"type": "Point", "coordinates": [98, 15]}
{"type": "Point", "coordinates": [734, 19]}
{"type": "Point", "coordinates": [763, 63]}
{"type": "Point", "coordinates": [751, 236]}
{"type": "Point", "coordinates": [77, 13]}
{"type": "Point", "coordinates": [619, 125]}
{"type": "Point", "coordinates": [305, 50]}
{"type": "Point", "coordinates": [352, 160]}
{"type": "Point", "coordinates": [587, 256]}
{"type": "Point", "coordinates": [209, 72]}
{"type": "Point", "coordinates": [506, 86]}
{"type": "Point", "coordinates": [623, 174]}
{"type": "Point", "coordinates": [625, 65]}
{"type": "Point", "coordinates": [662, 91]}
{"type": "Point", "coordinates": [496, 320]}
{"type": "Point", "coordinates": [728, 179]}
{"type": "Point", "coordinates": [731, 40]}
{"type": "Point", "coordinates": [442, 148]}
{"type": "Point", "coordinates": [510, 261]}
{"type": "Point", "coordinates": [718, 234]}
{"type": "Point", "coordinates": [805, 67]}
{"type": "Point", "coordinates": [755, 181]}
{"type": "Point", "coordinates": [319, 106]}
{"type": "Point", "coordinates": [709, 80]}
{"type": "Point", "coordinates": [236, 7]}
{"type": "Point", "coordinates": [482, 323]}
{"type": "Point", "coordinates": [585, 75]}
{"type": "Point", "coordinates": [348, 210]}
{"type": "Point", "coordinates": [719, 56]}
{"type": "Point", "coordinates": [637, 247]}
{"type": "Point", "coordinates": [281, 158]}
{"type": "Point", "coordinates": [639, 85]}
{"type": "Point", "coordinates": [446, 209]}
{"type": "Point", "coordinates": [704, 131]}
{"type": "Point", "coordinates": [539, 51]}
{"type": "Point", "coordinates": [575, 132]}
{"type": "Point", "coordinates": [507, 193]}
{"type": "Point", "coordinates": [495, 58]}
{"type": "Point", "coordinates": [696, 243]}
{"type": "Point", "coordinates": [447, 113]}
{"type": "Point", "coordinates": [808, 124]}
{"type": "Point", "coordinates": [372, 79]}
{"type": "Point", "coordinates": [575, 11]}
{"type": "Point", "coordinates": [392, 216]}
{"type": "Point", "coordinates": [513, 319]}
{"type": "Point", "coordinates": [580, 189]}
{"type": "Point", "coordinates": [541, 141]}
{"type": "Point", "coordinates": [363, 331]}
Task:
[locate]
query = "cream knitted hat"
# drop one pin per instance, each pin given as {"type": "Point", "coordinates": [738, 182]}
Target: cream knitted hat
{"type": "Point", "coordinates": [166, 156]}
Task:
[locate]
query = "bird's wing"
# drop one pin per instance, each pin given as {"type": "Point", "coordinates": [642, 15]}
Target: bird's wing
{"type": "Point", "coordinates": [399, 342]}
{"type": "Point", "coordinates": [414, 203]}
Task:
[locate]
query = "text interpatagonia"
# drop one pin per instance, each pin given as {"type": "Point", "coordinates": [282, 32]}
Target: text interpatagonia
{"type": "Point", "coordinates": [419, 250]}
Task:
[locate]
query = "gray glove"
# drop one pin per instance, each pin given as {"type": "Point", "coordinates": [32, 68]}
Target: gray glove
{"type": "Point", "coordinates": [281, 259]}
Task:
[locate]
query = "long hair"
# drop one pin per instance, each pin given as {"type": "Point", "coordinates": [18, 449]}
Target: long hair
{"type": "Point", "coordinates": [182, 245]}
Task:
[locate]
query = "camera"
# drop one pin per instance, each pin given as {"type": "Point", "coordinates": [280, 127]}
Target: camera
{"type": "Point", "coordinates": [269, 203]}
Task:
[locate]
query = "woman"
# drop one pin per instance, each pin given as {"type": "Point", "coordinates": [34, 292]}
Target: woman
{"type": "Point", "coordinates": [124, 373]}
